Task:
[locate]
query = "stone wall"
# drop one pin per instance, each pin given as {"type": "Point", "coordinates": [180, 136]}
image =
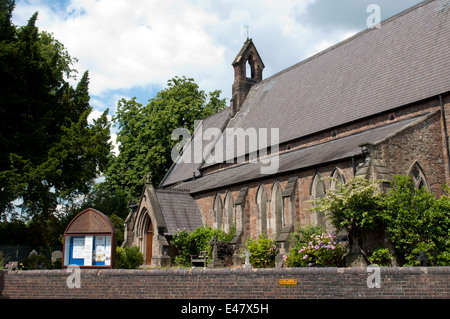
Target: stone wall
{"type": "Point", "coordinates": [315, 283]}
{"type": "Point", "coordinates": [422, 144]}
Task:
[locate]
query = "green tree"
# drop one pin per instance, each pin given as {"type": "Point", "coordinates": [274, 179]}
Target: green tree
{"type": "Point", "coordinates": [418, 221]}
{"type": "Point", "coordinates": [106, 201]}
{"type": "Point", "coordinates": [48, 150]}
{"type": "Point", "coordinates": [356, 207]}
{"type": "Point", "coordinates": [145, 132]}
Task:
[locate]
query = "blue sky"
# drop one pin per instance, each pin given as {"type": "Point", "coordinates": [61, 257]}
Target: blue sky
{"type": "Point", "coordinates": [132, 47]}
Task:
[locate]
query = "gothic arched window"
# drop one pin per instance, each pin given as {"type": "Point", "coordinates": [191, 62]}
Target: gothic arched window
{"type": "Point", "coordinates": [261, 204]}
{"type": "Point", "coordinates": [229, 213]}
{"type": "Point", "coordinates": [277, 209]}
{"type": "Point", "coordinates": [337, 179]}
{"type": "Point", "coordinates": [416, 173]}
{"type": "Point", "coordinates": [218, 212]}
{"type": "Point", "coordinates": [250, 67]}
{"type": "Point", "coordinates": [318, 190]}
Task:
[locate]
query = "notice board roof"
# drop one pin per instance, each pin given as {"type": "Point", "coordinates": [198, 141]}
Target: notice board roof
{"type": "Point", "coordinates": [90, 221]}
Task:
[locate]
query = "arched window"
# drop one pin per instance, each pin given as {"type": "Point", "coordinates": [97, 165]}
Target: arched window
{"type": "Point", "coordinates": [277, 209]}
{"type": "Point", "coordinates": [218, 212]}
{"type": "Point", "coordinates": [318, 190]}
{"type": "Point", "coordinates": [418, 176]}
{"type": "Point", "coordinates": [337, 178]}
{"type": "Point", "coordinates": [261, 204]}
{"type": "Point", "coordinates": [250, 67]}
{"type": "Point", "coordinates": [229, 213]}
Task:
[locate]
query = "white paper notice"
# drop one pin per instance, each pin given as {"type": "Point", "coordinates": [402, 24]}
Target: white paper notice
{"type": "Point", "coordinates": [78, 248]}
{"type": "Point", "coordinates": [88, 250]}
{"type": "Point", "coordinates": [108, 251]}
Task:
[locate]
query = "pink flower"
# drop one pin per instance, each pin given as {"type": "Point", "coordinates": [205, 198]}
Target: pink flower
{"type": "Point", "coordinates": [306, 256]}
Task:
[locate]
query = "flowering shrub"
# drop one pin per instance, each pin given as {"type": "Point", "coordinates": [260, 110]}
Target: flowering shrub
{"type": "Point", "coordinates": [322, 249]}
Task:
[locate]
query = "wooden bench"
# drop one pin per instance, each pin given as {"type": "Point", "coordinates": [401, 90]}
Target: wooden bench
{"type": "Point", "coordinates": [201, 258]}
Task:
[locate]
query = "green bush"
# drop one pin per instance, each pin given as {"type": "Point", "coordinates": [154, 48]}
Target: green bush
{"type": "Point", "coordinates": [36, 262]}
{"type": "Point", "coordinates": [183, 246]}
{"type": "Point", "coordinates": [381, 257]}
{"type": "Point", "coordinates": [418, 221]}
{"type": "Point", "coordinates": [192, 243]}
{"type": "Point", "coordinates": [128, 257]}
{"type": "Point", "coordinates": [263, 251]}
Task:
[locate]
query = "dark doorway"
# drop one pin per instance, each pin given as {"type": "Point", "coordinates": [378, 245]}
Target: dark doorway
{"type": "Point", "coordinates": [149, 244]}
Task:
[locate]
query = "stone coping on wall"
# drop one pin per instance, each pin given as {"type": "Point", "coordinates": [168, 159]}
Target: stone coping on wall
{"type": "Point", "coordinates": [233, 271]}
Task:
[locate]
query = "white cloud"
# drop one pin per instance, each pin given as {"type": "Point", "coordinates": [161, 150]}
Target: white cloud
{"type": "Point", "coordinates": [139, 44]}
{"type": "Point", "coordinates": [127, 44]}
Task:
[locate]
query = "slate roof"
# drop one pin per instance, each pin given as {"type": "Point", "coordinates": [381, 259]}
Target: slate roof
{"type": "Point", "coordinates": [185, 166]}
{"type": "Point", "coordinates": [377, 70]}
{"type": "Point", "coordinates": [179, 211]}
{"type": "Point", "coordinates": [325, 153]}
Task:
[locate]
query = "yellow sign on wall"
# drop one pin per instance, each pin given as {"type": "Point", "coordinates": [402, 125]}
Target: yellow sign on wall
{"type": "Point", "coordinates": [287, 281]}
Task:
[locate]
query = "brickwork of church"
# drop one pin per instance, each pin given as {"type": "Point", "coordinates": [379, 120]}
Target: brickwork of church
{"type": "Point", "coordinates": [422, 143]}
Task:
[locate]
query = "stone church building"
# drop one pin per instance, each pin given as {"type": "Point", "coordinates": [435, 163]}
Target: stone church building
{"type": "Point", "coordinates": [374, 105]}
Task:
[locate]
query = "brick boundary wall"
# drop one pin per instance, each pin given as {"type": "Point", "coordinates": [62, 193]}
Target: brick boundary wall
{"type": "Point", "coordinates": [312, 283]}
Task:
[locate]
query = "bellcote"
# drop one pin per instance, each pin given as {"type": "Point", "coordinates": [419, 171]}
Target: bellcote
{"type": "Point", "coordinates": [248, 68]}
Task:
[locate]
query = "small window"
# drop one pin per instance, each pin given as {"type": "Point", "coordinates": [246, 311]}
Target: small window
{"type": "Point", "coordinates": [418, 176]}
{"type": "Point", "coordinates": [391, 116]}
{"type": "Point", "coordinates": [337, 179]}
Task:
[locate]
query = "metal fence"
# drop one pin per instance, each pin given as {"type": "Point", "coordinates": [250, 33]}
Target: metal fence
{"type": "Point", "coordinates": [19, 252]}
